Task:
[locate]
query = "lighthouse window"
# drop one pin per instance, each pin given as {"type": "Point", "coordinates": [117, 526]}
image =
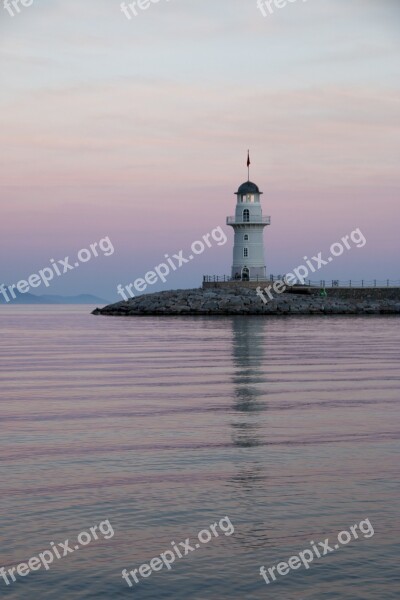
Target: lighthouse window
{"type": "Point", "coordinates": [246, 215]}
{"type": "Point", "coordinates": [243, 198]}
{"type": "Point", "coordinates": [246, 237]}
{"type": "Point", "coordinates": [245, 252]}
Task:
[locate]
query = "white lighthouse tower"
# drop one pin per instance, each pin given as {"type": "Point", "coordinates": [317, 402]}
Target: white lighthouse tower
{"type": "Point", "coordinates": [248, 225]}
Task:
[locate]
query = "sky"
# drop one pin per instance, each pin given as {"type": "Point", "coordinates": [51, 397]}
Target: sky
{"type": "Point", "coordinates": [138, 129]}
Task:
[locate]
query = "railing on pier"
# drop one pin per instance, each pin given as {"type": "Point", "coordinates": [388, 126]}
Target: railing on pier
{"type": "Point", "coordinates": [346, 283]}
{"type": "Point", "coordinates": [322, 283]}
{"type": "Point", "coordinates": [217, 278]}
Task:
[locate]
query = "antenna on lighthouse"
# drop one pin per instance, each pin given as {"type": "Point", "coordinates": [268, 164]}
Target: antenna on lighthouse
{"type": "Point", "coordinates": [248, 165]}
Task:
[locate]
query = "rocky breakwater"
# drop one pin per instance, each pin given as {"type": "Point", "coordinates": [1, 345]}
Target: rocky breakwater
{"type": "Point", "coordinates": [244, 301]}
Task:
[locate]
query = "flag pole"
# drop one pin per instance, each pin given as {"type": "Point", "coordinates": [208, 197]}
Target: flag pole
{"type": "Point", "coordinates": [248, 165]}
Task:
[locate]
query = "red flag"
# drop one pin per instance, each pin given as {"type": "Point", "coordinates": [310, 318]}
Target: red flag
{"type": "Point", "coordinates": [248, 158]}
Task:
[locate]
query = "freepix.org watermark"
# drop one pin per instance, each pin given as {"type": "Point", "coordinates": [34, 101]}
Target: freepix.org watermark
{"type": "Point", "coordinates": [301, 272]}
{"type": "Point", "coordinates": [47, 274]}
{"type": "Point", "coordinates": [267, 6]}
{"type": "Point", "coordinates": [14, 6]}
{"type": "Point", "coordinates": [162, 270]}
{"type": "Point", "coordinates": [132, 7]}
{"type": "Point", "coordinates": [306, 557]}
{"type": "Point", "coordinates": [180, 550]}
{"type": "Point", "coordinates": [57, 551]}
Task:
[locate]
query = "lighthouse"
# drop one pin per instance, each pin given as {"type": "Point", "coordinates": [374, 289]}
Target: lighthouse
{"type": "Point", "coordinates": [248, 225]}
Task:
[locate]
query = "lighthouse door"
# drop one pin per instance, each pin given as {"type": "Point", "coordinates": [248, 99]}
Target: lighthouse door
{"type": "Point", "coordinates": [245, 274]}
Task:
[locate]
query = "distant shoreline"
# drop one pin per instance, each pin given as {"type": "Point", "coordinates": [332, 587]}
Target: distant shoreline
{"type": "Point", "coordinates": [32, 300]}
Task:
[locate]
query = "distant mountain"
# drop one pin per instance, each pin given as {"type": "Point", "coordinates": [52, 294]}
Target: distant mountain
{"type": "Point", "coordinates": [52, 299]}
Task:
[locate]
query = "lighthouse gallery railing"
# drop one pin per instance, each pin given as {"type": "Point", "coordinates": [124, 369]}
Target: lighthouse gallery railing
{"type": "Point", "coordinates": [251, 219]}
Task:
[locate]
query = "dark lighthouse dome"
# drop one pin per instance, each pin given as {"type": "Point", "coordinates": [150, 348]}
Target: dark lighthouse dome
{"type": "Point", "coordinates": [248, 188]}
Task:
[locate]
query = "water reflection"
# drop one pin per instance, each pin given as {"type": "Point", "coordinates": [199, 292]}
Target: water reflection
{"type": "Point", "coordinates": [247, 359]}
{"type": "Point", "coordinates": [248, 356]}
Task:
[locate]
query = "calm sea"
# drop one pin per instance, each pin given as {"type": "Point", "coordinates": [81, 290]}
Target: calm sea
{"type": "Point", "coordinates": [288, 426]}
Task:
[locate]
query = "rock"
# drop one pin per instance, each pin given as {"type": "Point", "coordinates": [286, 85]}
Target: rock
{"type": "Point", "coordinates": [181, 308]}
{"type": "Point", "coordinates": [237, 300]}
{"type": "Point", "coordinates": [211, 305]}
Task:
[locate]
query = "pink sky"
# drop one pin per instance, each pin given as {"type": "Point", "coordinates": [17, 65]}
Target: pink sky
{"type": "Point", "coordinates": [138, 130]}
